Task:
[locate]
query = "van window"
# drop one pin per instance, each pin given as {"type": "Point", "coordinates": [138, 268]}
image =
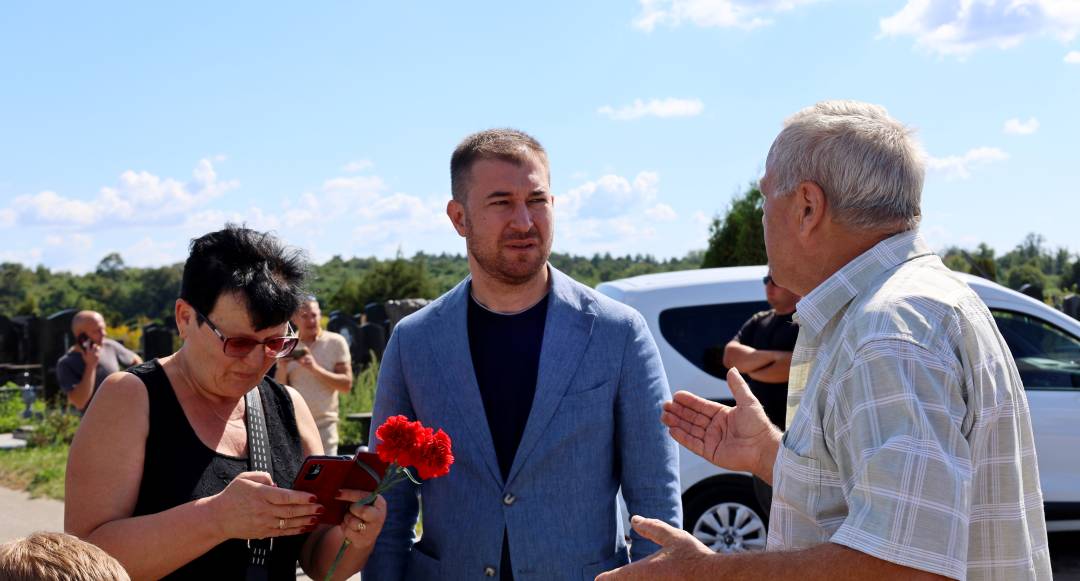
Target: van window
{"type": "Point", "coordinates": [1046, 356]}
{"type": "Point", "coordinates": [700, 332]}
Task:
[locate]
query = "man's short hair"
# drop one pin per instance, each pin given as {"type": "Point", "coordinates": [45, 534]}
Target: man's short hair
{"type": "Point", "coordinates": [57, 557]}
{"type": "Point", "coordinates": [868, 164]}
{"type": "Point", "coordinates": [267, 274]}
{"type": "Point", "coordinates": [509, 145]}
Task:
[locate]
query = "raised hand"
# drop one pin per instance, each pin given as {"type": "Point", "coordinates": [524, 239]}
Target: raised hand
{"type": "Point", "coordinates": [736, 438]}
{"type": "Point", "coordinates": [92, 355]}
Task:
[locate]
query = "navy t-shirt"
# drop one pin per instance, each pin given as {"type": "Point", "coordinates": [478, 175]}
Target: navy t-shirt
{"type": "Point", "coordinates": [771, 331]}
{"type": "Point", "coordinates": [506, 358]}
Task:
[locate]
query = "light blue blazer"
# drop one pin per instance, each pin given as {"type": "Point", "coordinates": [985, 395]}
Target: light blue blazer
{"type": "Point", "coordinates": [594, 427]}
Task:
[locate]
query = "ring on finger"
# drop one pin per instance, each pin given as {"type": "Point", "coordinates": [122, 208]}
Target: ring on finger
{"type": "Point", "coordinates": [361, 526]}
{"type": "Point", "coordinates": [281, 523]}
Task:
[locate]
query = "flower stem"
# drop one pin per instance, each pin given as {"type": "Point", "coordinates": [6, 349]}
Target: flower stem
{"type": "Point", "coordinates": [390, 478]}
{"type": "Point", "coordinates": [340, 553]}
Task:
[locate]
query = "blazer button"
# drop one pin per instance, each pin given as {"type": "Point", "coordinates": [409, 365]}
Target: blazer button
{"type": "Point", "coordinates": [509, 499]}
{"type": "Point", "coordinates": [489, 571]}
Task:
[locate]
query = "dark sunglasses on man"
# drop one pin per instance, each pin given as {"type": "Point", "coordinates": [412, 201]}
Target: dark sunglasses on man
{"type": "Point", "coordinates": [767, 279]}
{"type": "Point", "coordinates": [276, 347]}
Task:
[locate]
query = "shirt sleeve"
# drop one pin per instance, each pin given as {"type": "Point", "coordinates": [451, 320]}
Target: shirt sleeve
{"type": "Point", "coordinates": [124, 356]}
{"type": "Point", "coordinates": [341, 354]}
{"type": "Point", "coordinates": [894, 423]}
{"type": "Point", "coordinates": [748, 329]}
{"type": "Point", "coordinates": [66, 375]}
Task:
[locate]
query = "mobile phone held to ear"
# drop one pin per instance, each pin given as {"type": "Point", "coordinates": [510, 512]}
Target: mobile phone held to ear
{"type": "Point", "coordinates": [83, 340]}
{"type": "Point", "coordinates": [323, 476]}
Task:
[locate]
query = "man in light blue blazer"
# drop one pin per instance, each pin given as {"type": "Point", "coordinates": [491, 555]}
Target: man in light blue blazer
{"type": "Point", "coordinates": [551, 392]}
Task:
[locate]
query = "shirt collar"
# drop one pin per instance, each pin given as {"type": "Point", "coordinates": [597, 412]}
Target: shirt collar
{"type": "Point", "coordinates": [820, 305]}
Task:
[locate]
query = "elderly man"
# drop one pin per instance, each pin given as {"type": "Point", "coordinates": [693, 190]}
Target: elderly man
{"type": "Point", "coordinates": [93, 357]}
{"type": "Point", "coordinates": [910, 453]}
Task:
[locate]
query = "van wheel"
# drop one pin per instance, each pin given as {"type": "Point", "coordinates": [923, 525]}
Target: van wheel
{"type": "Point", "coordinates": [726, 518]}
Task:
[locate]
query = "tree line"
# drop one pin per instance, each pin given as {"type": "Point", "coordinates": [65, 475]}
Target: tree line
{"type": "Point", "coordinates": [135, 296]}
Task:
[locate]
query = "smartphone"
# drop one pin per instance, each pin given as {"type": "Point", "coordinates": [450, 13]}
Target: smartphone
{"type": "Point", "coordinates": [83, 340]}
{"type": "Point", "coordinates": [323, 476]}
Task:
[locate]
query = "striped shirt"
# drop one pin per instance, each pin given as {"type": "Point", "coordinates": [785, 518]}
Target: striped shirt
{"type": "Point", "coordinates": [909, 438]}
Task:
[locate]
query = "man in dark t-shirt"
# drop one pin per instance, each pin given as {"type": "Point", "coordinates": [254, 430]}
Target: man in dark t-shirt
{"type": "Point", "coordinates": [90, 360]}
{"type": "Point", "coordinates": [762, 350]}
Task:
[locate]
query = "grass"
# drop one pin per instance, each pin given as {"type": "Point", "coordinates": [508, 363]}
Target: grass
{"type": "Point", "coordinates": [40, 468]}
{"type": "Point", "coordinates": [360, 399]}
{"type": "Point", "coordinates": [37, 470]}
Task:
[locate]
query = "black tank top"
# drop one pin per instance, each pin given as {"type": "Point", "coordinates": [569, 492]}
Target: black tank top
{"type": "Point", "coordinates": [179, 468]}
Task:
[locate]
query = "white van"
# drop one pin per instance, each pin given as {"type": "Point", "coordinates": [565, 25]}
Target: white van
{"type": "Point", "coordinates": [692, 314]}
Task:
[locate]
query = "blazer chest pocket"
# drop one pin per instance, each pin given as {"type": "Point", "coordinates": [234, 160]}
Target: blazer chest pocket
{"type": "Point", "coordinates": [585, 389]}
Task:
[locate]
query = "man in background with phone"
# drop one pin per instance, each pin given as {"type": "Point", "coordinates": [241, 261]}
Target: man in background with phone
{"type": "Point", "coordinates": [92, 358]}
{"type": "Point", "coordinates": [320, 368]}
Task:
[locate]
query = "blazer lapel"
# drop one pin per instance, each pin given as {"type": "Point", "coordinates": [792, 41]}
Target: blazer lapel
{"type": "Point", "coordinates": [449, 341]}
{"type": "Point", "coordinates": [566, 333]}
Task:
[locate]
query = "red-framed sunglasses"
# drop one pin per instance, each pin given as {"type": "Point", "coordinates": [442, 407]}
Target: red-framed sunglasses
{"type": "Point", "coordinates": [276, 347]}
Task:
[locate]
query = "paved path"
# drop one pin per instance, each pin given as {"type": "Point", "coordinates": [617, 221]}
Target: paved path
{"type": "Point", "coordinates": [23, 515]}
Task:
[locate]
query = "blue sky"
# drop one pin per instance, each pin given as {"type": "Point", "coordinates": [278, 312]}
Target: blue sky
{"type": "Point", "coordinates": [134, 127]}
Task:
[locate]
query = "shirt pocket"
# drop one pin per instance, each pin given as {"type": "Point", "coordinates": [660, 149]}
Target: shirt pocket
{"type": "Point", "coordinates": [794, 471]}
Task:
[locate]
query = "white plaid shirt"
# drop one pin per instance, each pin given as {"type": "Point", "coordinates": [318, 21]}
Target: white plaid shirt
{"type": "Point", "coordinates": [909, 435]}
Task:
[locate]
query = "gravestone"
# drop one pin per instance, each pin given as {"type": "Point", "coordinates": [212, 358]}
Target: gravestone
{"type": "Point", "coordinates": [56, 339]}
{"type": "Point", "coordinates": [1071, 306]}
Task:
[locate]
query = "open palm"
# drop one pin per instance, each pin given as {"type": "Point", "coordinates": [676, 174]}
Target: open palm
{"type": "Point", "coordinates": [736, 438]}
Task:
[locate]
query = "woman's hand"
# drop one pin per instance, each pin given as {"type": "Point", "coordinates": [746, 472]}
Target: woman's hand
{"type": "Point", "coordinates": [252, 507]}
{"type": "Point", "coordinates": [362, 524]}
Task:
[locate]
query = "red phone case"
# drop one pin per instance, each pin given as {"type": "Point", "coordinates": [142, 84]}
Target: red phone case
{"type": "Point", "coordinates": [323, 476]}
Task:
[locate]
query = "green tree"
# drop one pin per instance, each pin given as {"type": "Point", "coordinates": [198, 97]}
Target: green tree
{"type": "Point", "coordinates": [1026, 273]}
{"type": "Point", "coordinates": [738, 238]}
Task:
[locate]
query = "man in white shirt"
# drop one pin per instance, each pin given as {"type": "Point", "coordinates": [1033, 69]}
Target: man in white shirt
{"type": "Point", "coordinates": [319, 371]}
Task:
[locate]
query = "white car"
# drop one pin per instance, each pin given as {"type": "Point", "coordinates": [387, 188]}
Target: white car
{"type": "Point", "coordinates": [692, 314]}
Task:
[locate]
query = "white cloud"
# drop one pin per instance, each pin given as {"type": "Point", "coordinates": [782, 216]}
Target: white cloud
{"type": "Point", "coordinates": [700, 218]}
{"type": "Point", "coordinates": [745, 14]}
{"type": "Point", "coordinates": [358, 166]}
{"type": "Point", "coordinates": [608, 196]}
{"type": "Point", "coordinates": [76, 240]}
{"type": "Point", "coordinates": [1018, 127]}
{"type": "Point", "coordinates": [612, 213]}
{"type": "Point", "coordinates": [959, 166]}
{"type": "Point", "coordinates": [1073, 57]}
{"type": "Point", "coordinates": [662, 108]}
{"type": "Point", "coordinates": [213, 219]}
{"type": "Point", "coordinates": [960, 27]}
{"type": "Point", "coordinates": [138, 198]}
{"type": "Point", "coordinates": [662, 213]}
{"type": "Point", "coordinates": [29, 257]}
{"type": "Point", "coordinates": [148, 252]}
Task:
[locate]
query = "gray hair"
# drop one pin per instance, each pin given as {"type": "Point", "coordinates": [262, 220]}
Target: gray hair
{"type": "Point", "coordinates": [868, 164]}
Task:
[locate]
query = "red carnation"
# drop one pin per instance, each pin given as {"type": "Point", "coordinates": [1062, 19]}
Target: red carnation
{"type": "Point", "coordinates": [401, 440]}
{"type": "Point", "coordinates": [435, 456]}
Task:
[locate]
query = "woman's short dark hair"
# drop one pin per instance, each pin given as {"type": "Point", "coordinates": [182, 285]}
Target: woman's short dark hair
{"type": "Point", "coordinates": [269, 275]}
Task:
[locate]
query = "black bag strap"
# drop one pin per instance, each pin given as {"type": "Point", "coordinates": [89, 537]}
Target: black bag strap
{"type": "Point", "coordinates": [258, 460]}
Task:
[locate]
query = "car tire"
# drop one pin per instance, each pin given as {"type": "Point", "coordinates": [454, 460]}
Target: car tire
{"type": "Point", "coordinates": [726, 517]}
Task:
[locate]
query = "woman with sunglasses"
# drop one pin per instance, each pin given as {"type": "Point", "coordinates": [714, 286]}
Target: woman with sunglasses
{"type": "Point", "coordinates": [181, 467]}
